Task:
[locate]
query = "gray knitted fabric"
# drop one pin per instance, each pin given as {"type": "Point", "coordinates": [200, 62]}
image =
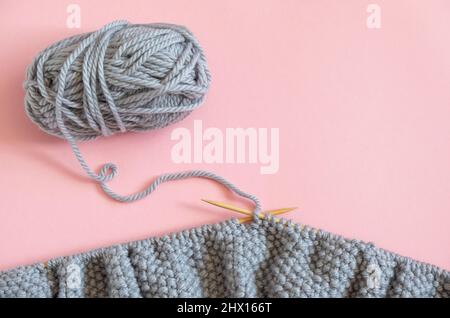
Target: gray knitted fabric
{"type": "Point", "coordinates": [260, 259]}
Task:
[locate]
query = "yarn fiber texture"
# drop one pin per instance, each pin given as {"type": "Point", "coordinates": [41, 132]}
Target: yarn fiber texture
{"type": "Point", "coordinates": [122, 77]}
{"type": "Point", "coordinates": [261, 259]}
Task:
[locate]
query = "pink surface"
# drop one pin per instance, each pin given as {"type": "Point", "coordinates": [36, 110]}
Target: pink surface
{"type": "Point", "coordinates": [363, 117]}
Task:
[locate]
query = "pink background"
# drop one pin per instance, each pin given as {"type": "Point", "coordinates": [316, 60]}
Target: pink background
{"type": "Point", "coordinates": [363, 116]}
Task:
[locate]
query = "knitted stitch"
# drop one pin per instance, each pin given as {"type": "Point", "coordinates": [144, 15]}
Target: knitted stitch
{"type": "Point", "coordinates": [229, 259]}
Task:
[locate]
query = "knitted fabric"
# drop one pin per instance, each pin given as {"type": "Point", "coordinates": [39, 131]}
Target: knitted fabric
{"type": "Point", "coordinates": [260, 259]}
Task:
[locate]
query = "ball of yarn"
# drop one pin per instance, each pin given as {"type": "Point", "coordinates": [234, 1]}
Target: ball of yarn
{"type": "Point", "coordinates": [123, 77]}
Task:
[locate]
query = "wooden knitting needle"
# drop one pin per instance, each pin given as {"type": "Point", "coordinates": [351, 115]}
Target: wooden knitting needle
{"type": "Point", "coordinates": [247, 212]}
{"type": "Point", "coordinates": [244, 211]}
{"type": "Point", "coordinates": [228, 207]}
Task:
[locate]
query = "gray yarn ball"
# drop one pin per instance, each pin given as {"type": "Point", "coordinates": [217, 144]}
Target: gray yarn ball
{"type": "Point", "coordinates": [123, 77]}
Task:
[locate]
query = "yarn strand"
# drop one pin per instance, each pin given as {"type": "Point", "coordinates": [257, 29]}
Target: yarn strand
{"type": "Point", "coordinates": [120, 78]}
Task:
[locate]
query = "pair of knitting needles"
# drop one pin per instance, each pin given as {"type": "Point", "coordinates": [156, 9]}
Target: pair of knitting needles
{"type": "Point", "coordinates": [249, 214]}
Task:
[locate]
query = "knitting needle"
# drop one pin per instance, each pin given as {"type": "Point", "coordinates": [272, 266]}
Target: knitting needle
{"type": "Point", "coordinates": [244, 211]}
{"type": "Point", "coordinates": [272, 212]}
{"type": "Point", "coordinates": [247, 212]}
{"type": "Point", "coordinates": [228, 207]}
